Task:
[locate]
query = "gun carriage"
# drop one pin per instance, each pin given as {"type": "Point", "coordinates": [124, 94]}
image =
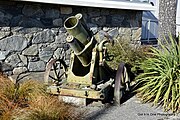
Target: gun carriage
{"type": "Point", "coordinates": [88, 75]}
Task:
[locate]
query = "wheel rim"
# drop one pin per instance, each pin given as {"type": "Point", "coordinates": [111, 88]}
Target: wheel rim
{"type": "Point", "coordinates": [55, 71]}
{"type": "Point", "coordinates": [121, 83]}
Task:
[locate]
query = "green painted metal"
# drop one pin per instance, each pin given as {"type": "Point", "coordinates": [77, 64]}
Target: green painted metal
{"type": "Point", "coordinates": [88, 75]}
{"type": "Point", "coordinates": [75, 28]}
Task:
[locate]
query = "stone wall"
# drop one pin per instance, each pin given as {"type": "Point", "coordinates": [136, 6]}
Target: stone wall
{"type": "Point", "coordinates": [31, 34]}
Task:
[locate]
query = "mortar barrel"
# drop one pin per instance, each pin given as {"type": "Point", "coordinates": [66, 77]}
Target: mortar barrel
{"type": "Point", "coordinates": [75, 28]}
{"type": "Point", "coordinates": [74, 44]}
{"type": "Point", "coordinates": [79, 50]}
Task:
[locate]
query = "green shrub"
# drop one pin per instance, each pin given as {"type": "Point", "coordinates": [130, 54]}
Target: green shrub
{"type": "Point", "coordinates": [160, 82]}
{"type": "Point", "coordinates": [123, 51]}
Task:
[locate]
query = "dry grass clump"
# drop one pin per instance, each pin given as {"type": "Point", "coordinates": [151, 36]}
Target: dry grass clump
{"type": "Point", "coordinates": [50, 108]}
{"type": "Point", "coordinates": [29, 101]}
{"type": "Point", "coordinates": [15, 96]}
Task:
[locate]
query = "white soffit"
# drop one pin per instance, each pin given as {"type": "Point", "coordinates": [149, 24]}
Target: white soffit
{"type": "Point", "coordinates": [118, 4]}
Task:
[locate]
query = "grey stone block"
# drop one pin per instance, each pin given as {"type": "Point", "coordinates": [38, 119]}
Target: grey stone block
{"type": "Point", "coordinates": [93, 12]}
{"type": "Point", "coordinates": [100, 20]}
{"type": "Point", "coordinates": [23, 59]}
{"type": "Point", "coordinates": [54, 46]}
{"type": "Point", "coordinates": [61, 38]}
{"type": "Point", "coordinates": [31, 50]}
{"type": "Point", "coordinates": [13, 43]}
{"type": "Point", "coordinates": [33, 58]}
{"type": "Point", "coordinates": [65, 10]}
{"type": "Point", "coordinates": [5, 18]}
{"type": "Point", "coordinates": [48, 22]}
{"type": "Point", "coordinates": [15, 20]}
{"type": "Point", "coordinates": [24, 30]}
{"type": "Point", "coordinates": [19, 70]}
{"type": "Point", "coordinates": [5, 67]}
{"type": "Point", "coordinates": [30, 22]}
{"type": "Point", "coordinates": [117, 20]}
{"type": "Point", "coordinates": [46, 53]}
{"type": "Point", "coordinates": [36, 66]}
{"type": "Point", "coordinates": [5, 31]}
{"type": "Point", "coordinates": [32, 11]}
{"type": "Point", "coordinates": [46, 36]}
{"type": "Point", "coordinates": [58, 22]}
{"type": "Point", "coordinates": [55, 30]}
{"type": "Point", "coordinates": [104, 12]}
{"type": "Point", "coordinates": [3, 54]}
{"type": "Point", "coordinates": [13, 60]}
{"type": "Point", "coordinates": [59, 53]}
{"type": "Point", "coordinates": [52, 13]}
{"type": "Point", "coordinates": [113, 33]}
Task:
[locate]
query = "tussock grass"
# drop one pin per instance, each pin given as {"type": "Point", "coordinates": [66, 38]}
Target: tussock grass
{"type": "Point", "coordinates": [50, 108]}
{"type": "Point", "coordinates": [29, 101]}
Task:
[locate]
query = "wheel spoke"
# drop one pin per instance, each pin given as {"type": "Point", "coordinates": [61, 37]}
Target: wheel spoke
{"type": "Point", "coordinates": [53, 78]}
{"type": "Point", "coordinates": [62, 74]}
{"type": "Point", "coordinates": [56, 70]}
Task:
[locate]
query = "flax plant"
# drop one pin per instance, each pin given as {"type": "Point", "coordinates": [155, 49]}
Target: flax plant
{"type": "Point", "coordinates": [160, 82]}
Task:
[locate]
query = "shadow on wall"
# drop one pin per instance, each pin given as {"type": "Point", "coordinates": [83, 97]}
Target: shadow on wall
{"type": "Point", "coordinates": [28, 15]}
{"type": "Point", "coordinates": [33, 33]}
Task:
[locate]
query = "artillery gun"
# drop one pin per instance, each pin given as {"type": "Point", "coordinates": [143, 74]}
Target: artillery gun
{"type": "Point", "coordinates": [88, 75]}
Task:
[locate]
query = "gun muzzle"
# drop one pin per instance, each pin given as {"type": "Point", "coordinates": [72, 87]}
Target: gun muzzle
{"type": "Point", "coordinates": [75, 28]}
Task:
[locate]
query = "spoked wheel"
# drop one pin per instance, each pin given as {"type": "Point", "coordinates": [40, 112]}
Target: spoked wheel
{"type": "Point", "coordinates": [55, 72]}
{"type": "Point", "coordinates": [122, 81]}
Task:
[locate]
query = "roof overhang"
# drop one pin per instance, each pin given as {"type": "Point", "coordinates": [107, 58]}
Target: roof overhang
{"type": "Point", "coordinates": [117, 4]}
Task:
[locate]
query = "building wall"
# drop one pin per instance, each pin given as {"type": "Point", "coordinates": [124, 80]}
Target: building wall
{"type": "Point", "coordinates": [156, 14]}
{"type": "Point", "coordinates": [33, 33]}
{"type": "Point", "coordinates": [178, 18]}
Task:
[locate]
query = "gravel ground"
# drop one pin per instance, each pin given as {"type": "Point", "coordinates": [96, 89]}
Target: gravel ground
{"type": "Point", "coordinates": [131, 109]}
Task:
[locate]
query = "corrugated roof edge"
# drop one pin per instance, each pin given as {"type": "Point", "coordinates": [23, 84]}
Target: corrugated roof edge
{"type": "Point", "coordinates": [101, 3]}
